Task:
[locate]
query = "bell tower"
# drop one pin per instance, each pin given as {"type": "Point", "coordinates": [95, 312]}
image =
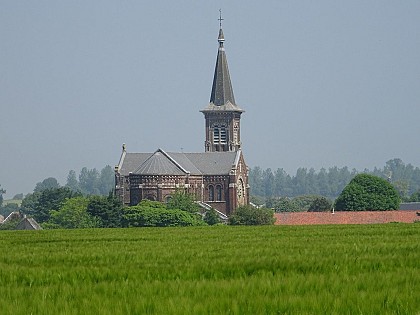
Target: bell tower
{"type": "Point", "coordinates": [222, 115]}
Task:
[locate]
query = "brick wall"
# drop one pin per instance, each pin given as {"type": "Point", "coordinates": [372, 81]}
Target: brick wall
{"type": "Point", "coordinates": [346, 217]}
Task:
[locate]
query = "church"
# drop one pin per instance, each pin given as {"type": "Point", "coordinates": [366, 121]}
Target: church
{"type": "Point", "coordinates": [217, 177]}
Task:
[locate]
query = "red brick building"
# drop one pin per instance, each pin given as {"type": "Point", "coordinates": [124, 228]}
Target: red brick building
{"type": "Point", "coordinates": [217, 177]}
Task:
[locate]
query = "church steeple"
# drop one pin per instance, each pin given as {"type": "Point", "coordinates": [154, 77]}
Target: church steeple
{"type": "Point", "coordinates": [222, 115]}
{"type": "Point", "coordinates": [221, 92]}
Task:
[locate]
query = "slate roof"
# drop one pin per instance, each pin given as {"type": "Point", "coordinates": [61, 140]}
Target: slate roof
{"type": "Point", "coordinates": [131, 161]}
{"type": "Point", "coordinates": [221, 97]}
{"type": "Point", "coordinates": [160, 163]}
{"type": "Point", "coordinates": [178, 163]}
{"type": "Point", "coordinates": [213, 163]}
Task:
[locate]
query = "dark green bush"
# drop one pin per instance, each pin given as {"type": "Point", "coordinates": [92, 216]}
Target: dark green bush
{"type": "Point", "coordinates": [153, 213]}
{"type": "Point", "coordinates": [320, 204]}
{"type": "Point", "coordinates": [249, 215]}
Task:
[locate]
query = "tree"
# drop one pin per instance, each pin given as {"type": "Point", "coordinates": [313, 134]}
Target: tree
{"type": "Point", "coordinates": [30, 202]}
{"type": "Point", "coordinates": [268, 183]}
{"type": "Point", "coordinates": [282, 183]}
{"type": "Point", "coordinates": [72, 215]}
{"type": "Point", "coordinates": [72, 182]}
{"type": "Point", "coordinates": [368, 192]}
{"type": "Point", "coordinates": [320, 204]}
{"type": "Point", "coordinates": [106, 180]}
{"type": "Point", "coordinates": [48, 183]}
{"type": "Point", "coordinates": [249, 215]}
{"type": "Point", "coordinates": [40, 204]}
{"type": "Point", "coordinates": [256, 181]}
{"type": "Point", "coordinates": [88, 181]}
{"type": "Point", "coordinates": [106, 209]}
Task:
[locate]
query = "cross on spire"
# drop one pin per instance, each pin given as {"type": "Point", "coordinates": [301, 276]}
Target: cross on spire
{"type": "Point", "coordinates": [220, 18]}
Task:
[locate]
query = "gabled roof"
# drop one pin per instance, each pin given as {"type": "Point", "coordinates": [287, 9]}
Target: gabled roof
{"type": "Point", "coordinates": [28, 224]}
{"type": "Point", "coordinates": [178, 163]}
{"type": "Point", "coordinates": [160, 163]}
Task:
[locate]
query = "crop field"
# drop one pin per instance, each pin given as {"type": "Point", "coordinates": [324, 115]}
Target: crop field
{"type": "Point", "coordinates": [371, 269]}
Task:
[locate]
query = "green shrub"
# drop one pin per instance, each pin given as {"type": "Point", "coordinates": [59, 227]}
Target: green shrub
{"type": "Point", "coordinates": [320, 204]}
{"type": "Point", "coordinates": [211, 217]}
{"type": "Point", "coordinates": [153, 213]}
{"type": "Point", "coordinates": [249, 215]}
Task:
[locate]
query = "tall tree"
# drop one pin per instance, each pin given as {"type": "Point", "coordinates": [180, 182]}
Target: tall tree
{"type": "Point", "coordinates": [268, 182]}
{"type": "Point", "coordinates": [106, 180]}
{"type": "Point", "coordinates": [282, 183]}
{"type": "Point", "coordinates": [256, 181]}
{"type": "Point", "coordinates": [300, 181]}
{"type": "Point", "coordinates": [88, 181]}
{"type": "Point", "coordinates": [72, 182]}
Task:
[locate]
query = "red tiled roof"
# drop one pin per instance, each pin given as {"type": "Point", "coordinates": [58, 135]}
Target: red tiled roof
{"type": "Point", "coordinates": [346, 217]}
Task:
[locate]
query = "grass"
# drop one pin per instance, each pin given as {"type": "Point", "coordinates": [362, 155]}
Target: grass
{"type": "Point", "coordinates": [212, 270]}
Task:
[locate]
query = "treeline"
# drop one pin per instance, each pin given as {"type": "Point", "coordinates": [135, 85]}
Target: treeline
{"type": "Point", "coordinates": [89, 182]}
{"type": "Point", "coordinates": [329, 183]}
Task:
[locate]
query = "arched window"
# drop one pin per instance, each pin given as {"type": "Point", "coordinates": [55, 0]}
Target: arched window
{"type": "Point", "coordinates": [211, 193]}
{"type": "Point", "coordinates": [219, 193]}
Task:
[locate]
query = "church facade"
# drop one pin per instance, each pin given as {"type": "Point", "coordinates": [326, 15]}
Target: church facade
{"type": "Point", "coordinates": [217, 177]}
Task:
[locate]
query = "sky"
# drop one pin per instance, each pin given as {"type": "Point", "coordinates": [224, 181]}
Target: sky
{"type": "Point", "coordinates": [322, 83]}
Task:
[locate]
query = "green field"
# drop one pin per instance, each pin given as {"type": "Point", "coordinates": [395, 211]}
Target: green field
{"type": "Point", "coordinates": [212, 270]}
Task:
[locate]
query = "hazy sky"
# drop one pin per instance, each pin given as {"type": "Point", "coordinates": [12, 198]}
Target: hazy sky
{"type": "Point", "coordinates": [323, 83]}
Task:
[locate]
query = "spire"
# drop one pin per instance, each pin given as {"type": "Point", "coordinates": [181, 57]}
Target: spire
{"type": "Point", "coordinates": [221, 92]}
